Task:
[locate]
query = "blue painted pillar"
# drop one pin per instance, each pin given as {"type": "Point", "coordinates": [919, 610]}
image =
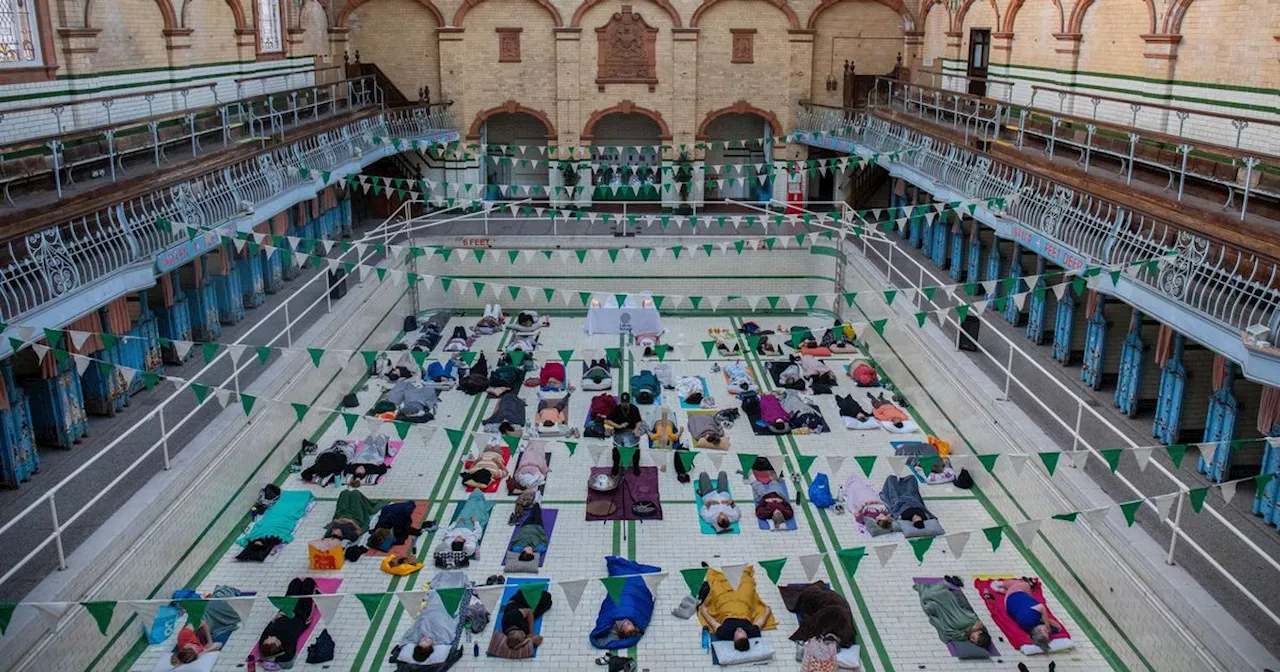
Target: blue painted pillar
{"type": "Point", "coordinates": [975, 251]}
{"type": "Point", "coordinates": [1095, 343]}
{"type": "Point", "coordinates": [226, 285]}
{"type": "Point", "coordinates": [993, 270]}
{"type": "Point", "coordinates": [19, 458]}
{"type": "Point", "coordinates": [57, 404]}
{"type": "Point", "coordinates": [253, 286]}
{"type": "Point", "coordinates": [926, 232]}
{"type": "Point", "coordinates": [941, 230]}
{"type": "Point", "coordinates": [1130, 376]}
{"type": "Point", "coordinates": [1039, 306]}
{"type": "Point", "coordinates": [145, 341]}
{"type": "Point", "coordinates": [202, 302]}
{"type": "Point", "coordinates": [957, 250]}
{"type": "Point", "coordinates": [174, 321]}
{"type": "Point", "coordinates": [1013, 285]}
{"type": "Point", "coordinates": [1220, 426]}
{"type": "Point", "coordinates": [1264, 503]}
{"type": "Point", "coordinates": [102, 384]}
{"type": "Point", "coordinates": [272, 269]}
{"type": "Point", "coordinates": [1173, 384]}
{"type": "Point", "coordinates": [1064, 327]}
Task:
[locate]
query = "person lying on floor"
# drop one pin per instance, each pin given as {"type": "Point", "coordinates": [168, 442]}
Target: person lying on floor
{"type": "Point", "coordinates": [434, 626]}
{"type": "Point", "coordinates": [490, 321]}
{"type": "Point", "coordinates": [526, 343]}
{"type": "Point", "coordinates": [528, 321]}
{"type": "Point", "coordinates": [351, 516]}
{"type": "Point", "coordinates": [518, 640]}
{"type": "Point", "coordinates": [951, 614]}
{"type": "Point", "coordinates": [648, 341]}
{"type": "Point", "coordinates": [902, 495]}
{"type": "Point", "coordinates": [802, 412]}
{"type": "Point", "coordinates": [849, 408]}
{"type": "Point", "coordinates": [884, 411]}
{"type": "Point", "coordinates": [192, 644]}
{"type": "Point", "coordinates": [1027, 611]}
{"type": "Point", "coordinates": [415, 400]}
{"type": "Point", "coordinates": [459, 341]}
{"type": "Point", "coordinates": [530, 473]}
{"type": "Point", "coordinates": [446, 373]}
{"type": "Point", "coordinates": [664, 432]}
{"type": "Point", "coordinates": [815, 368]}
{"type": "Point", "coordinates": [553, 416]}
{"type": "Point", "coordinates": [792, 374]}
{"type": "Point", "coordinates": [350, 458]}
{"type": "Point", "coordinates": [773, 415]}
{"type": "Point", "coordinates": [863, 375]}
{"type": "Point", "coordinates": [624, 421]}
{"type": "Point", "coordinates": [739, 377]}
{"type": "Point", "coordinates": [279, 641]}
{"type": "Point", "coordinates": [511, 411]}
{"type": "Point", "coordinates": [531, 538]}
{"type": "Point", "coordinates": [465, 532]}
{"type": "Point", "coordinates": [734, 614]}
{"type": "Point", "coordinates": [219, 621]}
{"type": "Point", "coordinates": [488, 468]}
{"type": "Point", "coordinates": [771, 499]}
{"type": "Point", "coordinates": [395, 525]}
{"type": "Point", "coordinates": [689, 390]}
{"type": "Point", "coordinates": [727, 344]}
{"type": "Point", "coordinates": [718, 508]}
{"type": "Point", "coordinates": [864, 502]}
{"type": "Point", "coordinates": [820, 612]}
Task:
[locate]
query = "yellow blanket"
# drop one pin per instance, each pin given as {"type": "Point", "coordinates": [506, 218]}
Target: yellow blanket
{"type": "Point", "coordinates": [723, 602]}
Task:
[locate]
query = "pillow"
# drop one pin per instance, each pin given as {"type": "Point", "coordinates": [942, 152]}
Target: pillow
{"type": "Point", "coordinates": [515, 565]}
{"type": "Point", "coordinates": [727, 655]}
{"type": "Point", "coordinates": [853, 423]}
{"type": "Point", "coordinates": [967, 650]}
{"type": "Point", "coordinates": [816, 352]}
{"type": "Point", "coordinates": [438, 655]}
{"type": "Point", "coordinates": [1060, 644]}
{"type": "Point", "coordinates": [932, 528]}
{"type": "Point", "coordinates": [908, 427]}
{"type": "Point", "coordinates": [204, 663]}
{"type": "Point", "coordinates": [848, 658]}
{"type": "Point", "coordinates": [876, 531]}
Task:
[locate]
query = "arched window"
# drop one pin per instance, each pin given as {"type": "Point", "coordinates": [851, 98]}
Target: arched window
{"type": "Point", "coordinates": [270, 27]}
{"type": "Point", "coordinates": [19, 34]}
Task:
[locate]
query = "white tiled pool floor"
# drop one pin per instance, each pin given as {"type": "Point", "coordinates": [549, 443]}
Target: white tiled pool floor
{"type": "Point", "coordinates": [893, 630]}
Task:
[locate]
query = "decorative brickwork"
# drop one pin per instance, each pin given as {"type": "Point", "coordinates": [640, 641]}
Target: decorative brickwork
{"type": "Point", "coordinates": [627, 50]}
{"type": "Point", "coordinates": [744, 45]}
{"type": "Point", "coordinates": [509, 45]}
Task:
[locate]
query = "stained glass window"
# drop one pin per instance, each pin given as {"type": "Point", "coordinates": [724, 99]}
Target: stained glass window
{"type": "Point", "coordinates": [269, 33]}
{"type": "Point", "coordinates": [18, 33]}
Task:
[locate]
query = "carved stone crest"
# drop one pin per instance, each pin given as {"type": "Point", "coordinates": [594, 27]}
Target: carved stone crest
{"type": "Point", "coordinates": [627, 50]}
{"type": "Point", "coordinates": [509, 45]}
{"type": "Point", "coordinates": [744, 47]}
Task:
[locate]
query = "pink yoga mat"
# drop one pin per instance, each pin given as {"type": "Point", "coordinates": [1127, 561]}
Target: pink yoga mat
{"type": "Point", "coordinates": [1012, 631]}
{"type": "Point", "coordinates": [327, 586]}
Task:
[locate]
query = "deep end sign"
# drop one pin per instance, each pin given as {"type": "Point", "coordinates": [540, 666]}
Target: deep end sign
{"type": "Point", "coordinates": [1051, 250]}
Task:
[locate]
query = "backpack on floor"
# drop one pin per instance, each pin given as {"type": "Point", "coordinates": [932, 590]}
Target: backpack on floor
{"type": "Point", "coordinates": [820, 492]}
{"type": "Point", "coordinates": [819, 655]}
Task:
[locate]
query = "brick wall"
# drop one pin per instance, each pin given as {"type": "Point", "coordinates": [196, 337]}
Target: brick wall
{"type": "Point", "coordinates": [400, 37]}
{"type": "Point", "coordinates": [762, 83]}
{"type": "Point", "coordinates": [531, 81]}
{"type": "Point", "coordinates": [1033, 30]}
{"type": "Point", "coordinates": [867, 33]}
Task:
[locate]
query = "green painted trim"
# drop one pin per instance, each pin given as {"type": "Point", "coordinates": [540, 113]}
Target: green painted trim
{"type": "Point", "coordinates": [132, 655]}
{"type": "Point", "coordinates": [1114, 75]}
{"type": "Point", "coordinates": [612, 276]}
{"type": "Point", "coordinates": [825, 251]}
{"type": "Point", "coordinates": [1104, 647]}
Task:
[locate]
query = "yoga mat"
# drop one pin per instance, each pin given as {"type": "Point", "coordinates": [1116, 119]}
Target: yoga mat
{"type": "Point", "coordinates": [775, 373]}
{"type": "Point", "coordinates": [708, 528]}
{"type": "Point", "coordinates": [951, 646]}
{"type": "Point", "coordinates": [632, 488]}
{"type": "Point", "coordinates": [419, 514]}
{"type": "Point", "coordinates": [512, 484]}
{"type": "Point", "coordinates": [548, 523]}
{"type": "Point", "coordinates": [513, 586]}
{"type": "Point", "coordinates": [326, 586]}
{"type": "Point", "coordinates": [393, 451]}
{"type": "Point", "coordinates": [457, 508]}
{"type": "Point", "coordinates": [915, 469]}
{"type": "Point", "coordinates": [759, 429]}
{"type": "Point", "coordinates": [1012, 631]}
{"type": "Point", "coordinates": [495, 483]}
{"type": "Point", "coordinates": [790, 524]}
{"type": "Point", "coordinates": [706, 392]}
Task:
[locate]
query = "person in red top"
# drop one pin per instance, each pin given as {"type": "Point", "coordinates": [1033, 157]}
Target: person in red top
{"type": "Point", "coordinates": [192, 643]}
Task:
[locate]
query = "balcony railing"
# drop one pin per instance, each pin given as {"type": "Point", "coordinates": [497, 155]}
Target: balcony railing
{"type": "Point", "coordinates": [121, 144]}
{"type": "Point", "coordinates": [1243, 172]}
{"type": "Point", "coordinates": [1227, 284]}
{"type": "Point", "coordinates": [54, 262]}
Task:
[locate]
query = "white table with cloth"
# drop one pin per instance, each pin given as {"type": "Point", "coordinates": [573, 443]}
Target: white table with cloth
{"type": "Point", "coordinates": [636, 316]}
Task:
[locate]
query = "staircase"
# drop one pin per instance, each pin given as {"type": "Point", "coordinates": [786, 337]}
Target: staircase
{"type": "Point", "coordinates": [392, 95]}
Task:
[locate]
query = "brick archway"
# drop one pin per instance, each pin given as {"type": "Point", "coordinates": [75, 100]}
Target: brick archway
{"type": "Point", "coordinates": [511, 107]}
{"type": "Point", "coordinates": [958, 19]}
{"type": "Point", "coordinates": [793, 21]}
{"type": "Point", "coordinates": [1076, 20]}
{"type": "Point", "coordinates": [740, 107]}
{"type": "Point", "coordinates": [908, 21]}
{"type": "Point", "coordinates": [340, 21]}
{"type": "Point", "coordinates": [625, 107]}
{"type": "Point", "coordinates": [461, 15]}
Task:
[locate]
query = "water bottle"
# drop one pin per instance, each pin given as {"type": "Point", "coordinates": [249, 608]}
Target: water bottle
{"type": "Point", "coordinates": [475, 650]}
{"type": "Point", "coordinates": [251, 664]}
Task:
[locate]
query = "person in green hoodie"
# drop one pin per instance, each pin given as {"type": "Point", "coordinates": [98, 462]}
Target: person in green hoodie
{"type": "Point", "coordinates": [950, 614]}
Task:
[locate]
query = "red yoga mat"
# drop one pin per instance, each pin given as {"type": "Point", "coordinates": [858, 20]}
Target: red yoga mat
{"type": "Point", "coordinates": [1012, 631]}
{"type": "Point", "coordinates": [495, 483]}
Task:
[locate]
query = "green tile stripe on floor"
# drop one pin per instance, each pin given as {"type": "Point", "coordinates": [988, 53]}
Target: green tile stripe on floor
{"type": "Point", "coordinates": [836, 575]}
{"type": "Point", "coordinates": [132, 655]}
{"type": "Point", "coordinates": [471, 423]}
{"type": "Point", "coordinates": [1103, 646]}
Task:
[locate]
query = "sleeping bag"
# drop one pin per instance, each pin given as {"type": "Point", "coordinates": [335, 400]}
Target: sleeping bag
{"type": "Point", "coordinates": [772, 414]}
{"type": "Point", "coordinates": [477, 378]}
{"type": "Point", "coordinates": [552, 371]}
{"type": "Point", "coordinates": [506, 376]}
{"type": "Point", "coordinates": [864, 375]}
{"type": "Point", "coordinates": [645, 387]}
{"type": "Point", "coordinates": [635, 603]}
{"type": "Point", "coordinates": [595, 376]}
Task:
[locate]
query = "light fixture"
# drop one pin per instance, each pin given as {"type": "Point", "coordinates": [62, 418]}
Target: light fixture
{"type": "Point", "coordinates": [832, 84]}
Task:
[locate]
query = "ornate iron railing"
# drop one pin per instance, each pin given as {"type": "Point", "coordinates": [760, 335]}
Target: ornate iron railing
{"type": "Point", "coordinates": [1229, 285]}
{"type": "Point", "coordinates": [54, 262]}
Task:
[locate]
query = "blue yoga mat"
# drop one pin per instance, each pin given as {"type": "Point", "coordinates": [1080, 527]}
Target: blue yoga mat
{"type": "Point", "coordinates": [513, 585]}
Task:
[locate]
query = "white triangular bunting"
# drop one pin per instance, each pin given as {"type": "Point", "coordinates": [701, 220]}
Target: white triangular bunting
{"type": "Point", "coordinates": [82, 363]}
{"type": "Point", "coordinates": [884, 552]}
{"type": "Point", "coordinates": [811, 563]}
{"type": "Point", "coordinates": [1164, 503]}
{"type": "Point", "coordinates": [326, 603]}
{"type": "Point", "coordinates": [1017, 462]}
{"type": "Point", "coordinates": [835, 462]}
{"type": "Point", "coordinates": [653, 580]}
{"type": "Point", "coordinates": [572, 592]}
{"type": "Point", "coordinates": [596, 450]}
{"type": "Point", "coordinates": [717, 458]}
{"type": "Point", "coordinates": [1143, 455]}
{"type": "Point", "coordinates": [1096, 516]}
{"type": "Point", "coordinates": [41, 351]}
{"type": "Point", "coordinates": [1080, 457]}
{"type": "Point", "coordinates": [489, 596]}
{"type": "Point", "coordinates": [733, 573]}
{"type": "Point", "coordinates": [1228, 490]}
{"type": "Point", "coordinates": [411, 601]}
{"type": "Point", "coordinates": [146, 611]}
{"type": "Point", "coordinates": [956, 542]}
{"type": "Point", "coordinates": [50, 611]}
{"type": "Point", "coordinates": [1026, 531]}
{"type": "Point", "coordinates": [181, 348]}
{"type": "Point", "coordinates": [78, 338]}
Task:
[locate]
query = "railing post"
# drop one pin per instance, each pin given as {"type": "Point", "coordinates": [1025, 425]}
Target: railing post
{"type": "Point", "coordinates": [1177, 527]}
{"type": "Point", "coordinates": [1075, 436]}
{"type": "Point", "coordinates": [288, 325]}
{"type": "Point", "coordinates": [1008, 373]}
{"type": "Point", "coordinates": [1249, 163]}
{"type": "Point", "coordinates": [164, 437]}
{"type": "Point", "coordinates": [57, 533]}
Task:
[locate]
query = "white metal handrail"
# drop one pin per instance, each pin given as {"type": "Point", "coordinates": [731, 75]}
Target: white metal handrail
{"type": "Point", "coordinates": [1078, 440]}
